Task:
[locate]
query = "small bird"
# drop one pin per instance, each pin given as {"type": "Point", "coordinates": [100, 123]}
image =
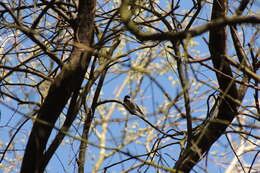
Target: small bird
{"type": "Point", "coordinates": [132, 107]}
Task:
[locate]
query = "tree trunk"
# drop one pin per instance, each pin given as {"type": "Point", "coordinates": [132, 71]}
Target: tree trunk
{"type": "Point", "coordinates": [227, 106]}
{"type": "Point", "coordinates": [67, 81]}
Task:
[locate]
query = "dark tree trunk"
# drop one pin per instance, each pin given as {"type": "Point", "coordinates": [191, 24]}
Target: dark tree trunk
{"type": "Point", "coordinates": [67, 81]}
{"type": "Point", "coordinates": [227, 106]}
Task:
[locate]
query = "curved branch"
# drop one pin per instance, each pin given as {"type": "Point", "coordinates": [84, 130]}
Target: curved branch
{"type": "Point", "coordinates": [156, 128]}
{"type": "Point", "coordinates": [133, 27]}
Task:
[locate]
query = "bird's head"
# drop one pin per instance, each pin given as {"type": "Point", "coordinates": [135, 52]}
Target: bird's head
{"type": "Point", "coordinates": [127, 98]}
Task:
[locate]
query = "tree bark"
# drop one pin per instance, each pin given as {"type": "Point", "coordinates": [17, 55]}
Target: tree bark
{"type": "Point", "coordinates": [228, 104]}
{"type": "Point", "coordinates": [67, 81]}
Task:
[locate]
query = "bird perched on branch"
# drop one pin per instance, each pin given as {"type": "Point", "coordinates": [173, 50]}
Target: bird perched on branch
{"type": "Point", "coordinates": [132, 107]}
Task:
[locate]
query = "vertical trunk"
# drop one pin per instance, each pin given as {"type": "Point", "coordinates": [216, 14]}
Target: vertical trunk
{"type": "Point", "coordinates": [69, 80]}
{"type": "Point", "coordinates": [227, 107]}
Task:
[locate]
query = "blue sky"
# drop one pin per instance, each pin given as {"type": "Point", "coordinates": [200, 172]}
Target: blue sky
{"type": "Point", "coordinates": [150, 97]}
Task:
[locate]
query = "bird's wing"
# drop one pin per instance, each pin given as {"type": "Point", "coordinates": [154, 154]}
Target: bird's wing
{"type": "Point", "coordinates": [130, 107]}
{"type": "Point", "coordinates": [139, 109]}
